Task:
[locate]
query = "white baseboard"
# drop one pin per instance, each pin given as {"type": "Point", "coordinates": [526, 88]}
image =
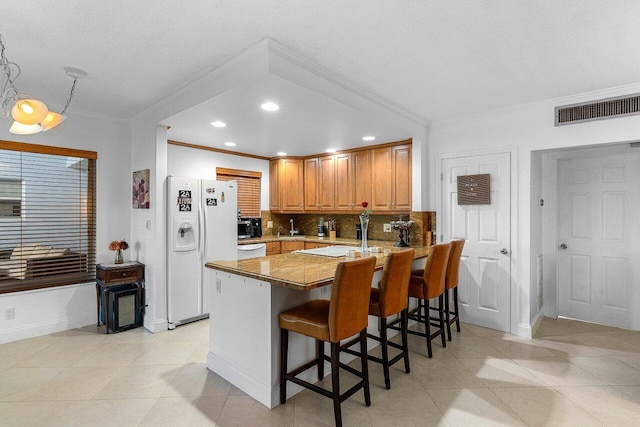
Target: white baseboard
{"type": "Point", "coordinates": [49, 327]}
{"type": "Point", "coordinates": [155, 326]}
{"type": "Point", "coordinates": [536, 323]}
{"type": "Point", "coordinates": [528, 331]}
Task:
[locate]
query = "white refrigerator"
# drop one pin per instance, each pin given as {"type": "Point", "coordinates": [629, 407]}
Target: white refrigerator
{"type": "Point", "coordinates": [201, 226]}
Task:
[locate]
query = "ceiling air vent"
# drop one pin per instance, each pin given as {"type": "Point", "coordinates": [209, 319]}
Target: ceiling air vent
{"type": "Point", "coordinates": [598, 110]}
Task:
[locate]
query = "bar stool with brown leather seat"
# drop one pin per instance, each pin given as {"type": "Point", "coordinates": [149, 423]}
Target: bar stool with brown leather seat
{"type": "Point", "coordinates": [391, 299]}
{"type": "Point", "coordinates": [451, 282]}
{"type": "Point", "coordinates": [429, 285]}
{"type": "Point", "coordinates": [343, 316]}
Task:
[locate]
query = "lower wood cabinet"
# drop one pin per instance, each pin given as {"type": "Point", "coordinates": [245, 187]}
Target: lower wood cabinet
{"type": "Point", "coordinates": [273, 248]}
{"type": "Point", "coordinates": [314, 245]}
{"type": "Point", "coordinates": [287, 247]}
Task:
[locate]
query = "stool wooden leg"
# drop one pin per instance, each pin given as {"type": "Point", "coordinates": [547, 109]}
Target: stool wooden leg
{"type": "Point", "coordinates": [320, 358]}
{"type": "Point", "coordinates": [385, 352]}
{"type": "Point", "coordinates": [335, 382]}
{"type": "Point", "coordinates": [405, 341]}
{"type": "Point", "coordinates": [427, 326]}
{"type": "Point", "coordinates": [455, 305]}
{"type": "Point", "coordinates": [365, 366]}
{"type": "Point", "coordinates": [441, 313]}
{"type": "Point", "coordinates": [284, 348]}
{"type": "Point", "coordinates": [447, 309]}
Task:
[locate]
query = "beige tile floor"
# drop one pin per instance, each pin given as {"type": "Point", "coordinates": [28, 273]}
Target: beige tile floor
{"type": "Point", "coordinates": [572, 373]}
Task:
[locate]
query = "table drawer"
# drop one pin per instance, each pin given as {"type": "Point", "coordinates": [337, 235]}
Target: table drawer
{"type": "Point", "coordinates": [123, 275]}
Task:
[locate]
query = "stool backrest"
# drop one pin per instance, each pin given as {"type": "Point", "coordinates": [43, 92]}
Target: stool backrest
{"type": "Point", "coordinates": [454, 263]}
{"type": "Point", "coordinates": [350, 293]}
{"type": "Point", "coordinates": [435, 269]}
{"type": "Point", "coordinates": [394, 286]}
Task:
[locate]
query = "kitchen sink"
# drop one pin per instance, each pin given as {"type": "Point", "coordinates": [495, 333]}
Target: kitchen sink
{"type": "Point", "coordinates": [297, 236]}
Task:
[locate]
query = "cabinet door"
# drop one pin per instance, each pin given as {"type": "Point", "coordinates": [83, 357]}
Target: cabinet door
{"type": "Point", "coordinates": [273, 248]}
{"type": "Point", "coordinates": [327, 183]}
{"type": "Point", "coordinates": [311, 184]}
{"type": "Point", "coordinates": [382, 180]}
{"type": "Point", "coordinates": [291, 246]}
{"type": "Point", "coordinates": [274, 178]}
{"type": "Point", "coordinates": [319, 183]}
{"type": "Point", "coordinates": [361, 179]}
{"type": "Point", "coordinates": [313, 245]}
{"type": "Point", "coordinates": [344, 200]}
{"type": "Point", "coordinates": [291, 185]}
{"type": "Point", "coordinates": [401, 178]}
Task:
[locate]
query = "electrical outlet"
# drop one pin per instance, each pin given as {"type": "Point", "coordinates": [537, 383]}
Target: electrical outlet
{"type": "Point", "coordinates": [386, 228]}
{"type": "Point", "coordinates": [148, 224]}
{"type": "Point", "coordinates": [10, 313]}
{"type": "Point", "coordinates": [269, 224]}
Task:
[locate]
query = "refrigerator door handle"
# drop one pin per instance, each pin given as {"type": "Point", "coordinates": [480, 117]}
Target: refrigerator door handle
{"type": "Point", "coordinates": [204, 235]}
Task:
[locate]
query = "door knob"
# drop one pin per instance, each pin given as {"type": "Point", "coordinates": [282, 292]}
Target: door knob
{"type": "Point", "coordinates": [563, 246]}
{"type": "Point", "coordinates": [504, 251]}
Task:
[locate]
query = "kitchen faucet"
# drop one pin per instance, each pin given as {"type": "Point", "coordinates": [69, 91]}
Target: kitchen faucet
{"type": "Point", "coordinates": [292, 231]}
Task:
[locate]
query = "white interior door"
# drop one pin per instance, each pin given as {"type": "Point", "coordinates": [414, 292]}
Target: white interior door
{"type": "Point", "coordinates": [484, 291]}
{"type": "Point", "coordinates": [598, 200]}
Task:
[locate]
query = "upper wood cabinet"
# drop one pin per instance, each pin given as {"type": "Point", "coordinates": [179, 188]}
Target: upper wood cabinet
{"type": "Point", "coordinates": [286, 185]}
{"type": "Point", "coordinates": [340, 183]}
{"type": "Point", "coordinates": [319, 184]}
{"type": "Point", "coordinates": [353, 180]}
{"type": "Point", "coordinates": [391, 179]}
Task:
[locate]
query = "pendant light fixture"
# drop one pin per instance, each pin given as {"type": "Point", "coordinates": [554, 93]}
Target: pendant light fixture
{"type": "Point", "coordinates": [27, 114]}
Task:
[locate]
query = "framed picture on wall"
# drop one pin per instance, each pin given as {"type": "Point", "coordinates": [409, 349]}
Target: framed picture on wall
{"type": "Point", "coordinates": [140, 193]}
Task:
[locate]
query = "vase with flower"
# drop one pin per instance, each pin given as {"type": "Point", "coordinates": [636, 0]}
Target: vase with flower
{"type": "Point", "coordinates": [364, 224]}
{"type": "Point", "coordinates": [119, 246]}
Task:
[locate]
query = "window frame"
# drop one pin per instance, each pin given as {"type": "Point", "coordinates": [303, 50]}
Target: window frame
{"type": "Point", "coordinates": [62, 278]}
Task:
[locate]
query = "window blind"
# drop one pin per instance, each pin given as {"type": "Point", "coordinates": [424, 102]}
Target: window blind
{"type": "Point", "coordinates": [248, 189]}
{"type": "Point", "coordinates": [50, 239]}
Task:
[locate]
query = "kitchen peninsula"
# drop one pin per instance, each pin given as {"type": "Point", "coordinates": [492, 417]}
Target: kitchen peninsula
{"type": "Point", "coordinates": [245, 299]}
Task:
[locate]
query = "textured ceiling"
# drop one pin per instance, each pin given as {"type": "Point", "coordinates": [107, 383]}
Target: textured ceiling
{"type": "Point", "coordinates": [437, 59]}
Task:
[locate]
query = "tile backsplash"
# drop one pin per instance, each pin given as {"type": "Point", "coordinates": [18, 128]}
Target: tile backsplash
{"type": "Point", "coordinates": [307, 224]}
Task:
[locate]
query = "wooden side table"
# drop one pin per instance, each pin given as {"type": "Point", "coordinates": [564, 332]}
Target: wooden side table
{"type": "Point", "coordinates": [111, 275]}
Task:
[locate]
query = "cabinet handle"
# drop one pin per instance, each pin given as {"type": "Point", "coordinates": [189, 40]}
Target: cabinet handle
{"type": "Point", "coordinates": [123, 274]}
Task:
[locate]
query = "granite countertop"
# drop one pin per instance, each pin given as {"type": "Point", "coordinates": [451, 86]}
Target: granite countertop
{"type": "Point", "coordinates": [314, 239]}
{"type": "Point", "coordinates": [301, 271]}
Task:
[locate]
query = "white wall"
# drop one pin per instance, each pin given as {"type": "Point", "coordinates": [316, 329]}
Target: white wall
{"type": "Point", "coordinates": [56, 309]}
{"type": "Point", "coordinates": [193, 163]}
{"type": "Point", "coordinates": [529, 128]}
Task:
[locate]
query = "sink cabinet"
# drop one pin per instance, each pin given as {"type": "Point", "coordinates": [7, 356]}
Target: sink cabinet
{"type": "Point", "coordinates": [291, 246]}
{"type": "Point", "coordinates": [273, 248]}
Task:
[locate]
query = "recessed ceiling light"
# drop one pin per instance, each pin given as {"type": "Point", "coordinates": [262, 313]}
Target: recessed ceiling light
{"type": "Point", "coordinates": [230, 144]}
{"type": "Point", "coordinates": [331, 150]}
{"type": "Point", "coordinates": [281, 153]}
{"type": "Point", "coordinates": [218, 124]}
{"type": "Point", "coordinates": [368, 138]}
{"type": "Point", "coordinates": [270, 106]}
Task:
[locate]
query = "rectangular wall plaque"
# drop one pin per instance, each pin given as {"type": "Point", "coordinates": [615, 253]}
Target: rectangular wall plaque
{"type": "Point", "coordinates": [473, 189]}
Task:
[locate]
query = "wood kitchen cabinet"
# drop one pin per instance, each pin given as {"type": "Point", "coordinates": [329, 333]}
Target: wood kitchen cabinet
{"type": "Point", "coordinates": [391, 179]}
{"type": "Point", "coordinates": [291, 246]}
{"type": "Point", "coordinates": [315, 245]}
{"type": "Point", "coordinates": [273, 248]}
{"type": "Point", "coordinates": [319, 184]}
{"type": "Point", "coordinates": [353, 180]}
{"type": "Point", "coordinates": [286, 185]}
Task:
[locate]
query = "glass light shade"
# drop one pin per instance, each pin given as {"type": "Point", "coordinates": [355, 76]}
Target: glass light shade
{"type": "Point", "coordinates": [22, 129]}
{"type": "Point", "coordinates": [29, 111]}
{"type": "Point", "coordinates": [52, 120]}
